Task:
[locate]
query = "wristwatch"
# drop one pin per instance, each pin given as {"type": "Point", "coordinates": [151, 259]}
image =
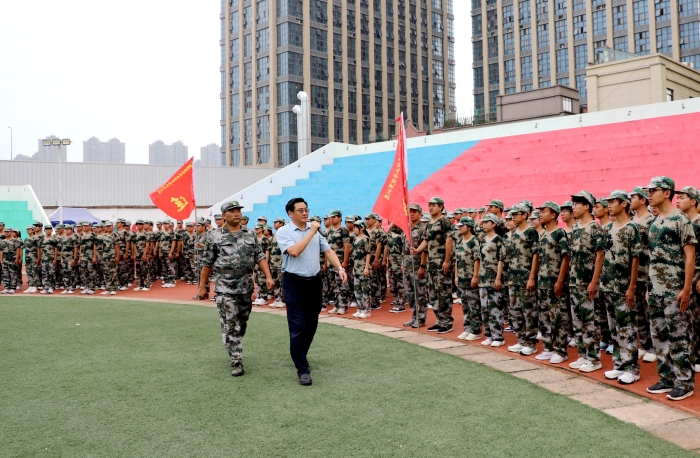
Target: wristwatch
{"type": "Point", "coordinates": [422, 266]}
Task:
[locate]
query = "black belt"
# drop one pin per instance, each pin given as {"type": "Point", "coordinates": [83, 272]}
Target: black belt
{"type": "Point", "coordinates": [224, 271]}
{"type": "Point", "coordinates": [301, 277]}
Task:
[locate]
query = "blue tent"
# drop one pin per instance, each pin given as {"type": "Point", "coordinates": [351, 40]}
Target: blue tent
{"type": "Point", "coordinates": [73, 215]}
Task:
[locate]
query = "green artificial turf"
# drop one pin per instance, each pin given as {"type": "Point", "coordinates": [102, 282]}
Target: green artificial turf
{"type": "Point", "coordinates": [119, 378]}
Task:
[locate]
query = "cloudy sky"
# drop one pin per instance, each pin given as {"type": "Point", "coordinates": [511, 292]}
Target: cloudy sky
{"type": "Point", "coordinates": [136, 70]}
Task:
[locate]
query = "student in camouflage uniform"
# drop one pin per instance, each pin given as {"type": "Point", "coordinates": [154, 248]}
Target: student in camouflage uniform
{"type": "Point", "coordinates": [688, 201]}
{"type": "Point", "coordinates": [88, 259]}
{"type": "Point", "coordinates": [48, 256]}
{"type": "Point", "coordinates": [139, 254]}
{"type": "Point", "coordinates": [362, 256]}
{"type": "Point", "coordinates": [166, 249]}
{"type": "Point", "coordinates": [232, 250]}
{"type": "Point", "coordinates": [100, 233]}
{"type": "Point", "coordinates": [30, 258]}
{"type": "Point", "coordinates": [379, 287]}
{"type": "Point", "coordinates": [188, 253]}
{"type": "Point", "coordinates": [671, 268]}
{"type": "Point", "coordinates": [587, 257]}
{"type": "Point", "coordinates": [259, 275]}
{"type": "Point", "coordinates": [415, 286]}
{"type": "Point", "coordinates": [376, 248]}
{"type": "Point", "coordinates": [200, 239]}
{"type": "Point", "coordinates": [350, 226]}
{"type": "Point", "coordinates": [467, 262]}
{"type": "Point", "coordinates": [338, 238]}
{"type": "Point", "coordinates": [436, 253]}
{"type": "Point", "coordinates": [393, 260]}
{"type": "Point", "coordinates": [493, 252]}
{"type": "Point", "coordinates": [111, 255]}
{"type": "Point", "coordinates": [520, 251]}
{"type": "Point", "coordinates": [10, 255]}
{"type": "Point", "coordinates": [125, 259]}
{"type": "Point", "coordinates": [618, 281]}
{"type": "Point", "coordinates": [276, 266]}
{"type": "Point", "coordinates": [605, 318]}
{"type": "Point", "coordinates": [70, 254]}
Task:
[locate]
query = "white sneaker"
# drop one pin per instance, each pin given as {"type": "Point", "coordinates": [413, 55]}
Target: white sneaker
{"type": "Point", "coordinates": [281, 305]}
{"type": "Point", "coordinates": [353, 304]}
{"type": "Point", "coordinates": [129, 284]}
{"type": "Point", "coordinates": [50, 291]}
{"type": "Point", "coordinates": [138, 288]}
{"type": "Point", "coordinates": [103, 288]}
{"type": "Point", "coordinates": [342, 312]}
{"type": "Point", "coordinates": [43, 291]}
{"type": "Point", "coordinates": [697, 368]}
{"type": "Point", "coordinates": [105, 293]}
{"type": "Point", "coordinates": [333, 311]}
{"type": "Point", "coordinates": [613, 374]}
{"type": "Point", "coordinates": [145, 289]}
{"type": "Point", "coordinates": [83, 291]}
{"type": "Point", "coordinates": [28, 290]}
{"type": "Point", "coordinates": [487, 342]}
{"type": "Point", "coordinates": [515, 348]}
{"type": "Point", "coordinates": [458, 301]}
{"type": "Point", "coordinates": [82, 287]}
{"type": "Point", "coordinates": [357, 314]}
{"type": "Point", "coordinates": [473, 336]}
{"type": "Point", "coordinates": [578, 363]}
{"type": "Point", "coordinates": [572, 343]}
{"type": "Point", "coordinates": [90, 292]}
{"type": "Point", "coordinates": [112, 293]}
{"type": "Point", "coordinates": [70, 291]}
{"type": "Point", "coordinates": [539, 336]}
{"type": "Point", "coordinates": [557, 359]}
{"type": "Point", "coordinates": [649, 357]}
{"type": "Point", "coordinates": [365, 315]}
{"type": "Point", "coordinates": [65, 291]}
{"type": "Point", "coordinates": [544, 356]}
{"type": "Point", "coordinates": [463, 335]}
{"type": "Point", "coordinates": [33, 289]}
{"type": "Point", "coordinates": [590, 366]}
{"type": "Point", "coordinates": [4, 291]}
{"type": "Point", "coordinates": [12, 291]}
{"type": "Point", "coordinates": [498, 343]}
{"type": "Point", "coordinates": [641, 353]}
{"type": "Point", "coordinates": [628, 378]}
{"type": "Point", "coordinates": [165, 285]}
{"type": "Point", "coordinates": [527, 351]}
{"type": "Point", "coordinates": [123, 288]}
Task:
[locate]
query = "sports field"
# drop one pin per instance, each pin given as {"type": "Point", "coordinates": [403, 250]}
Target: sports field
{"type": "Point", "coordinates": [85, 377]}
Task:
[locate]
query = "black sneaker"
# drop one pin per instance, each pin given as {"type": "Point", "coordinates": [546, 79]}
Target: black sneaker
{"type": "Point", "coordinates": [394, 309]}
{"type": "Point", "coordinates": [409, 323]}
{"type": "Point", "coordinates": [376, 307]}
{"type": "Point", "coordinates": [305, 379]}
{"type": "Point", "coordinates": [400, 309]}
{"type": "Point", "coordinates": [508, 329]}
{"type": "Point", "coordinates": [434, 328]}
{"type": "Point", "coordinates": [677, 394]}
{"type": "Point", "coordinates": [445, 330]}
{"type": "Point", "coordinates": [659, 388]}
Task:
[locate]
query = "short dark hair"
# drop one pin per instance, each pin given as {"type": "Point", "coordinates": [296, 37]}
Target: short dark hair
{"type": "Point", "coordinates": [289, 208]}
{"type": "Point", "coordinates": [628, 208]}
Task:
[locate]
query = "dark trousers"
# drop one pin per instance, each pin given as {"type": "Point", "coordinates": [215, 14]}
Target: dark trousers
{"type": "Point", "coordinates": [303, 298]}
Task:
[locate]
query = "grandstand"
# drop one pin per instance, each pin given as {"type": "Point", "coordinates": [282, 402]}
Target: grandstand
{"type": "Point", "coordinates": [19, 207]}
{"type": "Point", "coordinates": [536, 160]}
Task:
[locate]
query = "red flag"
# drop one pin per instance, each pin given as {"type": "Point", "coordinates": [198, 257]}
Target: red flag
{"type": "Point", "coordinates": [392, 203]}
{"type": "Point", "coordinates": [176, 196]}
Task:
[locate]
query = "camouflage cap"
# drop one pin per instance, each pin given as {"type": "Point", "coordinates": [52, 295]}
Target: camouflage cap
{"type": "Point", "coordinates": [262, 218]}
{"type": "Point", "coordinates": [127, 222]}
{"type": "Point", "coordinates": [259, 226]}
{"type": "Point", "coordinates": [567, 204]}
{"type": "Point", "coordinates": [585, 196]}
{"type": "Point", "coordinates": [69, 227]}
{"type": "Point", "coordinates": [179, 221]}
{"type": "Point", "coordinates": [371, 215]}
{"type": "Point", "coordinates": [496, 203]}
{"type": "Point", "coordinates": [48, 226]}
{"type": "Point", "coordinates": [509, 215]}
{"type": "Point", "coordinates": [38, 223]}
{"type": "Point", "coordinates": [108, 224]}
{"type": "Point", "coordinates": [87, 223]}
{"type": "Point", "coordinates": [360, 224]}
{"type": "Point", "coordinates": [551, 205]}
{"type": "Point", "coordinates": [507, 209]}
{"type": "Point", "coordinates": [208, 221]}
{"type": "Point", "coordinates": [58, 226]}
{"type": "Point", "coordinates": [280, 220]}
{"type": "Point", "coordinates": [201, 222]}
{"type": "Point", "coordinates": [466, 221]}
{"type": "Point", "coordinates": [535, 215]}
{"type": "Point", "coordinates": [315, 218]}
{"type": "Point", "coordinates": [243, 218]}
{"type": "Point", "coordinates": [335, 213]}
{"type": "Point", "coordinates": [139, 221]}
{"type": "Point", "coordinates": [159, 222]}
{"type": "Point", "coordinates": [416, 207]}
{"type": "Point", "coordinates": [662, 182]}
{"type": "Point", "coordinates": [31, 227]}
{"type": "Point", "coordinates": [444, 212]}
{"type": "Point", "coordinates": [491, 217]}
{"type": "Point", "coordinates": [218, 216]}
{"type": "Point", "coordinates": [436, 200]}
{"type": "Point", "coordinates": [691, 192]}
{"type": "Point", "coordinates": [425, 218]}
{"type": "Point", "coordinates": [98, 225]}
{"type": "Point", "coordinates": [189, 224]}
{"type": "Point", "coordinates": [450, 215]}
{"type": "Point", "coordinates": [619, 194]}
{"type": "Point", "coordinates": [231, 205]}
{"type": "Point", "coordinates": [520, 208]}
{"type": "Point", "coordinates": [327, 217]}
{"type": "Point", "coordinates": [640, 191]}
{"type": "Point", "coordinates": [1, 223]}
{"type": "Point", "coordinates": [482, 209]}
{"type": "Point", "coordinates": [379, 218]}
{"type": "Point", "coordinates": [459, 211]}
{"type": "Point", "coordinates": [603, 201]}
{"type": "Point", "coordinates": [471, 210]}
{"type": "Point", "coordinates": [121, 220]}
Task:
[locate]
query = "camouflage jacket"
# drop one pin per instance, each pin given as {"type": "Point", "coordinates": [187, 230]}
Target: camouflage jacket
{"type": "Point", "coordinates": [696, 230]}
{"type": "Point", "coordinates": [188, 243]}
{"type": "Point", "coordinates": [9, 249]}
{"type": "Point", "coordinates": [436, 234]}
{"type": "Point", "coordinates": [584, 244]}
{"type": "Point", "coordinates": [275, 254]}
{"type": "Point", "coordinates": [69, 244]}
{"type": "Point", "coordinates": [122, 237]}
{"type": "Point", "coordinates": [467, 252]}
{"type": "Point", "coordinates": [520, 249]}
{"type": "Point", "coordinates": [166, 242]}
{"type": "Point", "coordinates": [417, 232]}
{"type": "Point", "coordinates": [199, 245]}
{"type": "Point", "coordinates": [337, 238]}
{"type": "Point", "coordinates": [232, 256]}
{"type": "Point", "coordinates": [140, 241]}
{"type": "Point", "coordinates": [109, 246]}
{"type": "Point", "coordinates": [621, 245]}
{"type": "Point", "coordinates": [396, 243]}
{"type": "Point", "coordinates": [667, 237]}
{"type": "Point", "coordinates": [360, 250]}
{"type": "Point", "coordinates": [266, 246]}
{"type": "Point", "coordinates": [30, 247]}
{"type": "Point", "coordinates": [47, 246]}
{"type": "Point", "coordinates": [492, 252]}
{"type": "Point", "coordinates": [643, 224]}
{"type": "Point", "coordinates": [87, 242]}
{"type": "Point", "coordinates": [552, 248]}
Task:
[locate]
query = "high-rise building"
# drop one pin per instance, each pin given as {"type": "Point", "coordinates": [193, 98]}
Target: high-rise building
{"type": "Point", "coordinates": [162, 154]}
{"type": "Point", "coordinates": [210, 155]}
{"type": "Point", "coordinates": [50, 153]}
{"type": "Point", "coordinates": [529, 44]}
{"type": "Point", "coordinates": [111, 151]}
{"type": "Point", "coordinates": [361, 62]}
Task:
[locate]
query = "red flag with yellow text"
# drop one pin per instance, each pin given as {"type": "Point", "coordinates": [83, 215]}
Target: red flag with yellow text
{"type": "Point", "coordinates": [392, 203]}
{"type": "Point", "coordinates": [176, 196]}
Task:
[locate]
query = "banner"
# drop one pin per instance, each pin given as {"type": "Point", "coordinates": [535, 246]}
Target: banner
{"type": "Point", "coordinates": [176, 196]}
{"type": "Point", "coordinates": [392, 203]}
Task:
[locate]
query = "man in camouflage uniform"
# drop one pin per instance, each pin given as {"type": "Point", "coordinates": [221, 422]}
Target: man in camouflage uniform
{"type": "Point", "coordinates": [188, 253]}
{"type": "Point", "coordinates": [276, 266]}
{"type": "Point", "coordinates": [180, 235]}
{"type": "Point", "coordinates": [618, 281]}
{"type": "Point", "coordinates": [492, 250]}
{"type": "Point", "coordinates": [111, 255]}
{"type": "Point", "coordinates": [88, 259]}
{"type": "Point", "coordinates": [338, 238]}
{"type": "Point", "coordinates": [232, 250]}
{"type": "Point", "coordinates": [219, 220]}
{"type": "Point", "coordinates": [139, 254]}
{"type": "Point", "coordinates": [125, 258]}
{"type": "Point", "coordinates": [671, 267]}
{"type": "Point", "coordinates": [362, 255]}
{"type": "Point", "coordinates": [166, 251]}
{"type": "Point", "coordinates": [70, 253]}
{"type": "Point", "coordinates": [467, 264]}
{"type": "Point", "coordinates": [381, 270]}
{"type": "Point", "coordinates": [415, 286]}
{"type": "Point", "coordinates": [436, 252]}
{"type": "Point", "coordinates": [11, 261]}
{"type": "Point", "coordinates": [376, 247]}
{"type": "Point", "coordinates": [587, 257]}
{"type": "Point", "coordinates": [30, 259]}
{"type": "Point", "coordinates": [258, 274]}
{"type": "Point", "coordinates": [393, 263]}
{"type": "Point", "coordinates": [200, 239]}
{"type": "Point", "coordinates": [48, 256]}
{"type": "Point", "coordinates": [688, 201]}
{"type": "Point", "coordinates": [350, 226]}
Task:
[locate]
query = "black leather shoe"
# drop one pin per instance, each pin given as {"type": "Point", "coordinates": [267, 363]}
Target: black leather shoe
{"type": "Point", "coordinates": [305, 379]}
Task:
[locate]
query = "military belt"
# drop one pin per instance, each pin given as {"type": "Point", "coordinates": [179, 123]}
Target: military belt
{"type": "Point", "coordinates": [225, 271]}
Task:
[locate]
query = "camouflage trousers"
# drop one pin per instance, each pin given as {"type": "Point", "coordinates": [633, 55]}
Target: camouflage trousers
{"type": "Point", "coordinates": [396, 285]}
{"type": "Point", "coordinates": [342, 292]}
{"type": "Point", "coordinates": [672, 333]}
{"type": "Point", "coordinates": [234, 311]}
{"type": "Point", "coordinates": [586, 319]}
{"type": "Point", "coordinates": [110, 273]}
{"type": "Point", "coordinates": [327, 296]}
{"type": "Point", "coordinates": [143, 273]}
{"type": "Point", "coordinates": [154, 266]}
{"type": "Point", "coordinates": [643, 325]}
{"type": "Point", "coordinates": [124, 276]}
{"type": "Point", "coordinates": [277, 277]}
{"type": "Point", "coordinates": [606, 319]}
{"type": "Point", "coordinates": [375, 283]}
{"type": "Point", "coordinates": [10, 275]}
{"type": "Point", "coordinates": [48, 274]}
{"type": "Point", "coordinates": [626, 351]}
{"type": "Point", "coordinates": [471, 307]}
{"type": "Point", "coordinates": [382, 283]}
{"type": "Point", "coordinates": [363, 292]}
{"type": "Point", "coordinates": [415, 292]}
{"type": "Point", "coordinates": [88, 274]}
{"type": "Point", "coordinates": [259, 277]}
{"type": "Point", "coordinates": [30, 269]}
{"type": "Point", "coordinates": [695, 317]}
{"type": "Point", "coordinates": [492, 312]}
{"type": "Point", "coordinates": [68, 273]}
{"type": "Point", "coordinates": [440, 295]}
{"type": "Point", "coordinates": [555, 326]}
{"type": "Point", "coordinates": [168, 269]}
{"type": "Point", "coordinates": [188, 266]}
{"type": "Point", "coordinates": [523, 315]}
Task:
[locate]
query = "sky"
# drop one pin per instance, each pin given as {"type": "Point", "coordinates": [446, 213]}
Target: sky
{"type": "Point", "coordinates": [139, 71]}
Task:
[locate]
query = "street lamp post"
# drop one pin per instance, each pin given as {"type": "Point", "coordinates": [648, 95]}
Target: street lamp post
{"type": "Point", "coordinates": [58, 142]}
{"type": "Point", "coordinates": [10, 141]}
